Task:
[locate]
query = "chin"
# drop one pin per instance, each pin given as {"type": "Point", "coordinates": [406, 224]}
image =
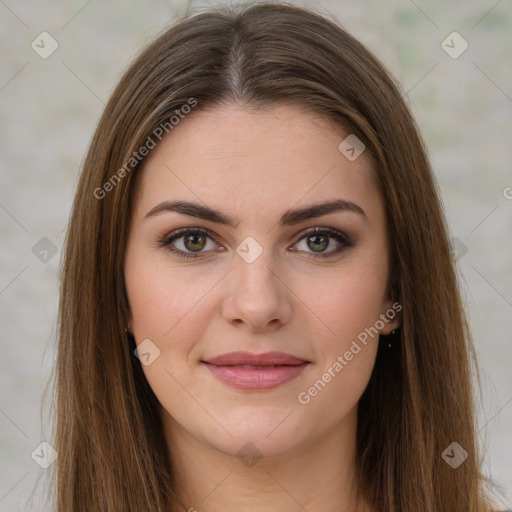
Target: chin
{"type": "Point", "coordinates": [255, 445]}
{"type": "Point", "coordinates": [267, 431]}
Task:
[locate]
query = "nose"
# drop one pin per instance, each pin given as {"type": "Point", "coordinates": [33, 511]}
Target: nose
{"type": "Point", "coordinates": [257, 295]}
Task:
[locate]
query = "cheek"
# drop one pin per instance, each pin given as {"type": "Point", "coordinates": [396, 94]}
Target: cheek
{"type": "Point", "coordinates": [166, 308]}
{"type": "Point", "coordinates": [348, 305]}
{"type": "Point", "coordinates": [171, 308]}
{"type": "Point", "coordinates": [348, 301]}
{"type": "Point", "coordinates": [159, 300]}
{"type": "Point", "coordinates": [345, 359]}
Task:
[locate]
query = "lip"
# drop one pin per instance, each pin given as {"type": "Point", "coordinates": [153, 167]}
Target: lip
{"type": "Point", "coordinates": [255, 372]}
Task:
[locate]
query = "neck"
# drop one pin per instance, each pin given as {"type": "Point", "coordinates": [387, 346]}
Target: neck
{"type": "Point", "coordinates": [312, 477]}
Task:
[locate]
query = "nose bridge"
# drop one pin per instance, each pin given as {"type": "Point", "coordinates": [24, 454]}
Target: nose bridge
{"type": "Point", "coordinates": [257, 295]}
{"type": "Point", "coordinates": [254, 272]}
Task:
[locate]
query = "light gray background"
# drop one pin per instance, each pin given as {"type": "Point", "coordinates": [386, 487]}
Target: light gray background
{"type": "Point", "coordinates": [48, 112]}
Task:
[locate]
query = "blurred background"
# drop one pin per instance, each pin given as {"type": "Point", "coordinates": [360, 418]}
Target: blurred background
{"type": "Point", "coordinates": [59, 63]}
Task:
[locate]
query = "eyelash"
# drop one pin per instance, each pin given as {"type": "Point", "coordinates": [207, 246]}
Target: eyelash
{"type": "Point", "coordinates": [340, 237]}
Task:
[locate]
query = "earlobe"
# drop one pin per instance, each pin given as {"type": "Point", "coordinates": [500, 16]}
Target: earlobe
{"type": "Point", "coordinates": [129, 328]}
{"type": "Point", "coordinates": [391, 318]}
{"type": "Point", "coordinates": [390, 328]}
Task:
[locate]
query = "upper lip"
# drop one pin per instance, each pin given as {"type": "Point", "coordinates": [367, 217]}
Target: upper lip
{"type": "Point", "coordinates": [248, 358]}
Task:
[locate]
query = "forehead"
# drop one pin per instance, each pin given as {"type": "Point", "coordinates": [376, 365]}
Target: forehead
{"type": "Point", "coordinates": [256, 163]}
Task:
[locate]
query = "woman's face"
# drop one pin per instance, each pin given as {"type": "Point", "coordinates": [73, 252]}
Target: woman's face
{"type": "Point", "coordinates": [265, 334]}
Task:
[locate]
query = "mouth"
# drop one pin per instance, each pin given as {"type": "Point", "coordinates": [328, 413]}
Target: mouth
{"type": "Point", "coordinates": [255, 372]}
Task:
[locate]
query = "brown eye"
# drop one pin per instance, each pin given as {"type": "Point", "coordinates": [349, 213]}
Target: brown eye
{"type": "Point", "coordinates": [318, 243]}
{"type": "Point", "coordinates": [194, 242]}
{"type": "Point", "coordinates": [189, 243]}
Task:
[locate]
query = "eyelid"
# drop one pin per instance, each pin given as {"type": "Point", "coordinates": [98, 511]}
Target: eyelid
{"type": "Point", "coordinates": [331, 232]}
{"type": "Point", "coordinates": [340, 237]}
{"type": "Point", "coordinates": [167, 240]}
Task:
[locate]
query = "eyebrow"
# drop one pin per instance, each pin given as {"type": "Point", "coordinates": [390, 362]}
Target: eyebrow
{"type": "Point", "coordinates": [289, 218]}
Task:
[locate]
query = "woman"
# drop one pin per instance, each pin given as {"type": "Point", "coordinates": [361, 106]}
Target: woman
{"type": "Point", "coordinates": [259, 308]}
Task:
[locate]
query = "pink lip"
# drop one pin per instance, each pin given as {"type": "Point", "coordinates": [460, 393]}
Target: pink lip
{"type": "Point", "coordinates": [272, 369]}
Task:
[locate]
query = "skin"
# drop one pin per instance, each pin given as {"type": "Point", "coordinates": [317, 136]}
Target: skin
{"type": "Point", "coordinates": [254, 166]}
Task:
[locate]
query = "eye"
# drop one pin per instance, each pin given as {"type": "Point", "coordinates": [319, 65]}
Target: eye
{"type": "Point", "coordinates": [192, 243]}
{"type": "Point", "coordinates": [319, 239]}
{"type": "Point", "coordinates": [189, 242]}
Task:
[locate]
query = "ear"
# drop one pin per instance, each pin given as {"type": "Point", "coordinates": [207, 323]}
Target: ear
{"type": "Point", "coordinates": [129, 326]}
{"type": "Point", "coordinates": [391, 316]}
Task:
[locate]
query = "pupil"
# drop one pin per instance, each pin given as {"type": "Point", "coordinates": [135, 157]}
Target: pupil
{"type": "Point", "coordinates": [319, 245]}
{"type": "Point", "coordinates": [195, 242]}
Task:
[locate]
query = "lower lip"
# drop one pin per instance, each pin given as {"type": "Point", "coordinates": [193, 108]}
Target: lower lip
{"type": "Point", "coordinates": [254, 379]}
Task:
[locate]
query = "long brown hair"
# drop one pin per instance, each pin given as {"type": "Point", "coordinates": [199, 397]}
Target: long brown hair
{"type": "Point", "coordinates": [112, 452]}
